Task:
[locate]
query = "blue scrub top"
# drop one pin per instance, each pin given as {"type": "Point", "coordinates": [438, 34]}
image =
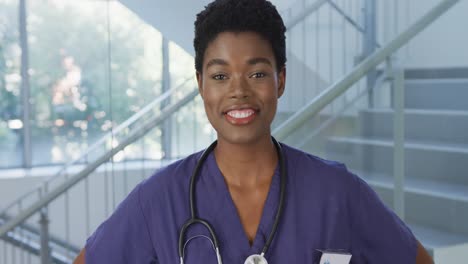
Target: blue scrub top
{"type": "Point", "coordinates": [326, 208]}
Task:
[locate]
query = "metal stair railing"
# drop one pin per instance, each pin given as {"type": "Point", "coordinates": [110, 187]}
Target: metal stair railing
{"type": "Point", "coordinates": [304, 13]}
{"type": "Point", "coordinates": [396, 74]}
{"type": "Point", "coordinates": [137, 116]}
{"type": "Point", "coordinates": [27, 230]}
{"type": "Point", "coordinates": [135, 135]}
{"type": "Point", "coordinates": [381, 78]}
{"type": "Point", "coordinates": [379, 56]}
{"type": "Point", "coordinates": [72, 181]}
{"type": "Point", "coordinates": [31, 239]}
{"type": "Point", "coordinates": [308, 10]}
{"type": "Point", "coordinates": [326, 39]}
{"type": "Point", "coordinates": [102, 141]}
{"type": "Point", "coordinates": [78, 163]}
{"type": "Point", "coordinates": [292, 123]}
{"type": "Point", "coordinates": [27, 238]}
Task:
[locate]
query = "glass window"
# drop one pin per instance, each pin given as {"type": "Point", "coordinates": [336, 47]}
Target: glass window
{"type": "Point", "coordinates": [81, 81]}
{"type": "Point", "coordinates": [10, 81]}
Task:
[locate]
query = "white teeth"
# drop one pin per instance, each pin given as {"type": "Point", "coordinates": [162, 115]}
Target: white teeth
{"type": "Point", "coordinates": [241, 113]}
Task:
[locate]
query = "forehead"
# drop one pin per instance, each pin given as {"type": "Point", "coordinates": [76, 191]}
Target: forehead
{"type": "Point", "coordinates": [235, 47]}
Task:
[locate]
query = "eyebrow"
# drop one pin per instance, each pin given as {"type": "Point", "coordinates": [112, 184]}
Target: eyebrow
{"type": "Point", "coordinates": [251, 61]}
{"type": "Point", "coordinates": [254, 61]}
{"type": "Point", "coordinates": [216, 62]}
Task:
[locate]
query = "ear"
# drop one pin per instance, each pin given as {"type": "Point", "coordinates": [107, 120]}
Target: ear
{"type": "Point", "coordinates": [200, 83]}
{"type": "Point", "coordinates": [281, 81]}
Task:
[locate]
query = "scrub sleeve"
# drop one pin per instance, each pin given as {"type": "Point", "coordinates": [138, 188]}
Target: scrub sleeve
{"type": "Point", "coordinates": [378, 233]}
{"type": "Point", "coordinates": [123, 237]}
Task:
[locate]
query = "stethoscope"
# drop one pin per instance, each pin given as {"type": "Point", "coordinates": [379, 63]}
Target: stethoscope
{"type": "Point", "coordinates": [252, 259]}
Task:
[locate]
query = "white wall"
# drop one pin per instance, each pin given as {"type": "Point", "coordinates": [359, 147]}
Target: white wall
{"type": "Point", "coordinates": [441, 45]}
{"type": "Point", "coordinates": [335, 42]}
{"type": "Point", "coordinates": [175, 18]}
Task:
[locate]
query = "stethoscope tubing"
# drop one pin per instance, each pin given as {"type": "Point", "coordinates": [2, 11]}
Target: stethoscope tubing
{"type": "Point", "coordinates": [192, 203]}
{"type": "Point", "coordinates": [279, 211]}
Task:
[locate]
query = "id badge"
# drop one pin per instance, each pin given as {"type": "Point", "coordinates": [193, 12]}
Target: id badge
{"type": "Point", "coordinates": [334, 257]}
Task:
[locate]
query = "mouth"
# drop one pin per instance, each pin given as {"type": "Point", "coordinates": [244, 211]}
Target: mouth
{"type": "Point", "coordinates": [241, 116]}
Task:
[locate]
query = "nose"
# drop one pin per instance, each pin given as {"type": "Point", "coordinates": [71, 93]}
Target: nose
{"type": "Point", "coordinates": [240, 88]}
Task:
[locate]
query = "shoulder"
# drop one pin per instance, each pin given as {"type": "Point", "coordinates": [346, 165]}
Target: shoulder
{"type": "Point", "coordinates": [308, 168]}
{"type": "Point", "coordinates": [169, 178]}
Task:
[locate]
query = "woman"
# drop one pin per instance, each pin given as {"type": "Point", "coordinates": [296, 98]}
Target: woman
{"type": "Point", "coordinates": [250, 196]}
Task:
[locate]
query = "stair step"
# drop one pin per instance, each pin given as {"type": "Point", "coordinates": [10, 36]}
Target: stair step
{"type": "Point", "coordinates": [423, 160]}
{"type": "Point", "coordinates": [437, 73]}
{"type": "Point", "coordinates": [413, 144]}
{"type": "Point", "coordinates": [27, 238]}
{"type": "Point", "coordinates": [447, 94]}
{"type": "Point", "coordinates": [434, 238]}
{"type": "Point", "coordinates": [439, 189]}
{"type": "Point", "coordinates": [429, 203]}
{"type": "Point", "coordinates": [442, 126]}
{"type": "Point", "coordinates": [445, 247]}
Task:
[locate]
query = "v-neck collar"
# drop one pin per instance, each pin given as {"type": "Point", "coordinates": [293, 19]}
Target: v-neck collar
{"type": "Point", "coordinates": [224, 213]}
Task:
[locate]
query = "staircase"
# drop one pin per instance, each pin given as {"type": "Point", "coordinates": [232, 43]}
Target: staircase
{"type": "Point", "coordinates": [27, 238]}
{"type": "Point", "coordinates": [436, 155]}
{"type": "Point", "coordinates": [436, 189]}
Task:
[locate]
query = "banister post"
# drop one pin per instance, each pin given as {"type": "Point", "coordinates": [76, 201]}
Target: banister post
{"type": "Point", "coordinates": [44, 232]}
{"type": "Point", "coordinates": [370, 44]}
{"type": "Point", "coordinates": [396, 76]}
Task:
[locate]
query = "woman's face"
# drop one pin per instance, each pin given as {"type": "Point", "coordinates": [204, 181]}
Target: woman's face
{"type": "Point", "coordinates": [240, 86]}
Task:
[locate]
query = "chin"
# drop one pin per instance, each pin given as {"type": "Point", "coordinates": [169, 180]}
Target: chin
{"type": "Point", "coordinates": [243, 138]}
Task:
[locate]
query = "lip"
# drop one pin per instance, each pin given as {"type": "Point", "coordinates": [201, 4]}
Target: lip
{"type": "Point", "coordinates": [240, 107]}
{"type": "Point", "coordinates": [240, 121]}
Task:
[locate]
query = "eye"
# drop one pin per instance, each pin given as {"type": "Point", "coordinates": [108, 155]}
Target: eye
{"type": "Point", "coordinates": [219, 77]}
{"type": "Point", "coordinates": [258, 75]}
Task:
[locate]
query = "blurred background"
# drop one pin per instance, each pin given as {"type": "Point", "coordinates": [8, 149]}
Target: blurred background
{"type": "Point", "coordinates": [96, 95]}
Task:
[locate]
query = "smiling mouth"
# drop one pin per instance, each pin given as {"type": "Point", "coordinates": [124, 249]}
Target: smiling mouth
{"type": "Point", "coordinates": [240, 116]}
{"type": "Point", "coordinates": [241, 113]}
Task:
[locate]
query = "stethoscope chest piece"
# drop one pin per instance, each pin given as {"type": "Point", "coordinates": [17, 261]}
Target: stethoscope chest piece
{"type": "Point", "coordinates": [256, 259]}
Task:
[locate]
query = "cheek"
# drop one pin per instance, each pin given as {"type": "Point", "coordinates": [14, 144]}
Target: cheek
{"type": "Point", "coordinates": [269, 97]}
{"type": "Point", "coordinates": [270, 100]}
{"type": "Point", "coordinates": [210, 107]}
{"type": "Point", "coordinates": [209, 101]}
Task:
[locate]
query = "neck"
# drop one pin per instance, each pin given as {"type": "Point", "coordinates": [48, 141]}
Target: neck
{"type": "Point", "coordinates": [247, 165]}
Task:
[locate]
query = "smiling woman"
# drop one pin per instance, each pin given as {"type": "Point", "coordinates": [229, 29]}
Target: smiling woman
{"type": "Point", "coordinates": [240, 87]}
{"type": "Point", "coordinates": [248, 198]}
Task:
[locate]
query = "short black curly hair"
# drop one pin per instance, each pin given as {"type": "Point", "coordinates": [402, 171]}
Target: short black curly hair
{"type": "Point", "coordinates": [259, 16]}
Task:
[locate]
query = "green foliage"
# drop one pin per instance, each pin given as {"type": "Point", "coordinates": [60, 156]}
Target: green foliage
{"type": "Point", "coordinates": [58, 29]}
{"type": "Point", "coordinates": [117, 57]}
{"type": "Point", "coordinates": [9, 64]}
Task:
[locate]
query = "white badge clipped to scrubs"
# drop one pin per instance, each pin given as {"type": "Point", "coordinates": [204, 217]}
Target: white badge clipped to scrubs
{"type": "Point", "coordinates": [334, 257]}
{"type": "Point", "coordinates": [256, 259]}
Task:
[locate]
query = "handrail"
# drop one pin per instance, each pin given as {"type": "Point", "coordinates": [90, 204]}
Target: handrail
{"type": "Point", "coordinates": [378, 83]}
{"type": "Point", "coordinates": [131, 120]}
{"type": "Point", "coordinates": [328, 95]}
{"type": "Point", "coordinates": [127, 123]}
{"type": "Point", "coordinates": [304, 13]}
{"type": "Point", "coordinates": [33, 230]}
{"type": "Point", "coordinates": [349, 19]}
{"type": "Point", "coordinates": [134, 136]}
{"type": "Point", "coordinates": [312, 108]}
{"type": "Point", "coordinates": [316, 6]}
{"type": "Point", "coordinates": [312, 8]}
